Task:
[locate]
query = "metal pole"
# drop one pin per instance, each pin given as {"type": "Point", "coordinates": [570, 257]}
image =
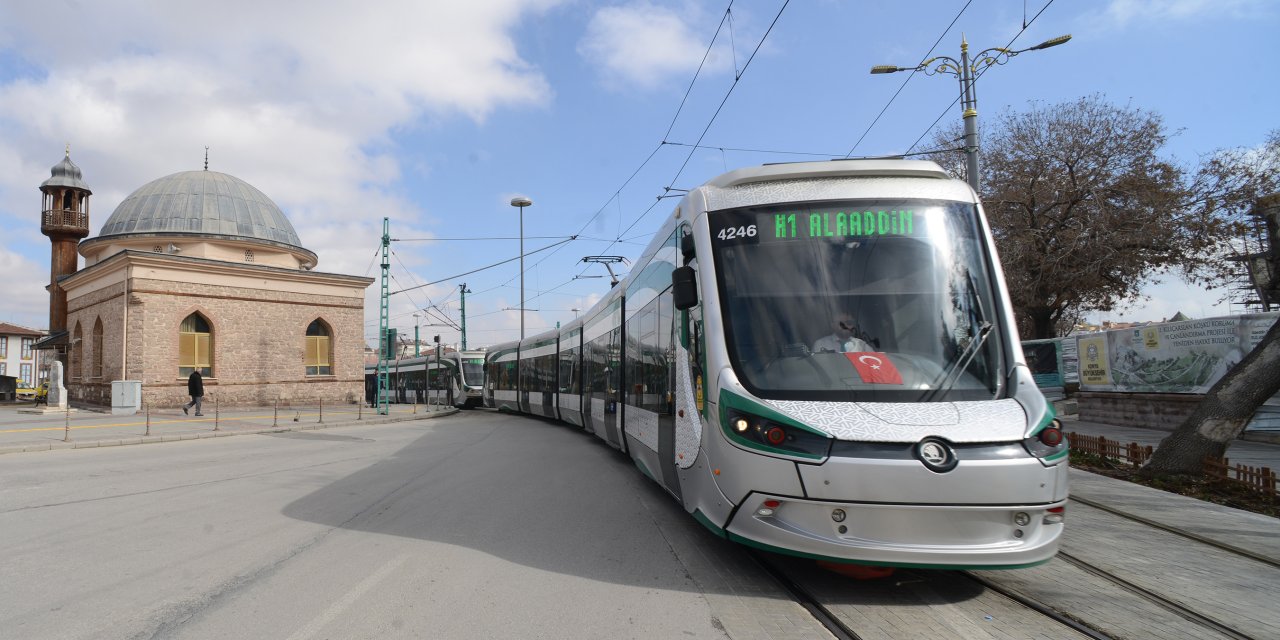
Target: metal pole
{"type": "Point", "coordinates": [275, 414]}
{"type": "Point", "coordinates": [215, 415]}
{"type": "Point", "coordinates": [416, 339]}
{"type": "Point", "coordinates": [463, 293]}
{"type": "Point", "coordinates": [66, 425]}
{"type": "Point", "coordinates": [522, 272]}
{"type": "Point", "coordinates": [384, 350]}
{"type": "Point", "coordinates": [969, 104]}
{"type": "Point", "coordinates": [147, 409]}
{"type": "Point", "coordinates": [321, 410]}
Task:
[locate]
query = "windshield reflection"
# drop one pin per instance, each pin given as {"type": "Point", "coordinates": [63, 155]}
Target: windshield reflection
{"type": "Point", "coordinates": [860, 300]}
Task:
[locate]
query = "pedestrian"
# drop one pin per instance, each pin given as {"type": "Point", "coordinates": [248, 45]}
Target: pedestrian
{"type": "Point", "coordinates": [195, 387]}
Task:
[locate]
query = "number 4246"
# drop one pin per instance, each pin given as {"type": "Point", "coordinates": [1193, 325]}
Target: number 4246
{"type": "Point", "coordinates": [733, 233]}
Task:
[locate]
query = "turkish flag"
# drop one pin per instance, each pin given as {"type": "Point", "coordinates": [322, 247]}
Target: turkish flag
{"type": "Point", "coordinates": [875, 367]}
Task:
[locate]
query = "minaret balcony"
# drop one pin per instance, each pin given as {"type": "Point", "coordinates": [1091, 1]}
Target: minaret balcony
{"type": "Point", "coordinates": [65, 221]}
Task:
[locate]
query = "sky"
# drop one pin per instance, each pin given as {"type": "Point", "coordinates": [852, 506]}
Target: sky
{"type": "Point", "coordinates": [434, 114]}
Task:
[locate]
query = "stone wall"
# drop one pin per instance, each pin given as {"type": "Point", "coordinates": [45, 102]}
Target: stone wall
{"type": "Point", "coordinates": [1148, 410]}
{"type": "Point", "coordinates": [258, 338]}
{"type": "Point", "coordinates": [105, 305]}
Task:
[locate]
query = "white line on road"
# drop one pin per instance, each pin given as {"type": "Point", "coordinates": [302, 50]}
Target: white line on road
{"type": "Point", "coordinates": [322, 620]}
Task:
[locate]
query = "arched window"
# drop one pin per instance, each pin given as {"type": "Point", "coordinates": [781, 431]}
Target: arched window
{"type": "Point", "coordinates": [318, 347]}
{"type": "Point", "coordinates": [97, 349]}
{"type": "Point", "coordinates": [195, 346]}
{"type": "Point", "coordinates": [76, 365]}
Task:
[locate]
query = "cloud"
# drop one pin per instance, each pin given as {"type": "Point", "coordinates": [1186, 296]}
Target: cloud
{"type": "Point", "coordinates": [1120, 13]}
{"type": "Point", "coordinates": [643, 45]}
{"type": "Point", "coordinates": [22, 288]}
{"type": "Point", "coordinates": [303, 104]}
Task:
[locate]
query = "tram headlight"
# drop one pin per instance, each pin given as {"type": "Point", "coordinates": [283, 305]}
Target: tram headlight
{"type": "Point", "coordinates": [1048, 444]}
{"type": "Point", "coordinates": [775, 436]}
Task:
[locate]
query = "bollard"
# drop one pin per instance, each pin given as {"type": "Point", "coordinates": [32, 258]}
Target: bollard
{"type": "Point", "coordinates": [147, 408]}
{"type": "Point", "coordinates": [215, 414]}
{"type": "Point", "coordinates": [360, 412]}
{"type": "Point", "coordinates": [66, 434]}
{"type": "Point", "coordinates": [275, 414]}
{"type": "Point", "coordinates": [415, 407]}
{"type": "Point", "coordinates": [321, 420]}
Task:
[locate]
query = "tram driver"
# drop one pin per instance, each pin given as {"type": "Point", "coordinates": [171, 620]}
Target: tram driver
{"type": "Point", "coordinates": [844, 337]}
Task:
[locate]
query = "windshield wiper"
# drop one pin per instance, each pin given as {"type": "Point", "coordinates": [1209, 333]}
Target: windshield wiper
{"type": "Point", "coordinates": [962, 361]}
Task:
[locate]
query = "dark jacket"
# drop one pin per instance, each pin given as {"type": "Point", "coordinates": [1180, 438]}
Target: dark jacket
{"type": "Point", "coordinates": [195, 385]}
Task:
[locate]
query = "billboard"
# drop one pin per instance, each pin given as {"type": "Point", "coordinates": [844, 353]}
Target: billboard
{"type": "Point", "coordinates": [1172, 357]}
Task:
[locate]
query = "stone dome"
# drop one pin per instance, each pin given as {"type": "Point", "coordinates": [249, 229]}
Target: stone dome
{"type": "Point", "coordinates": [201, 203]}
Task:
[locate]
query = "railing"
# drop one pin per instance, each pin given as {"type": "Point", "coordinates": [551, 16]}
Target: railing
{"type": "Point", "coordinates": [1132, 453]}
{"type": "Point", "coordinates": [65, 218]}
{"type": "Point", "coordinates": [1260, 479]}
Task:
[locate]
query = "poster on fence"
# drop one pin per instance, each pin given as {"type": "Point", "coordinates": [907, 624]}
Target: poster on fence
{"type": "Point", "coordinates": [1092, 351]}
{"type": "Point", "coordinates": [1172, 357]}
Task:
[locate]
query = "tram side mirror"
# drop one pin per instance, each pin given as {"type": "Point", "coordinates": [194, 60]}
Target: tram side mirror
{"type": "Point", "coordinates": [686, 247]}
{"type": "Point", "coordinates": [684, 288]}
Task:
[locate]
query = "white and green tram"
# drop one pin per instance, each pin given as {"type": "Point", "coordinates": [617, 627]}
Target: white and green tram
{"type": "Point", "coordinates": [818, 359]}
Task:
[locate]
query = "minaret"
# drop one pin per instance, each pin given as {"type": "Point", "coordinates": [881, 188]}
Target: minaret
{"type": "Point", "coordinates": [65, 221]}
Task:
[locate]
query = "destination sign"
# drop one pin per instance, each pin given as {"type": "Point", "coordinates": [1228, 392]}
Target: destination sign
{"type": "Point", "coordinates": [825, 223]}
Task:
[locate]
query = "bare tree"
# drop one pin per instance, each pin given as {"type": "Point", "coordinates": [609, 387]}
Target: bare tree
{"type": "Point", "coordinates": [1230, 403]}
{"type": "Point", "coordinates": [1084, 210]}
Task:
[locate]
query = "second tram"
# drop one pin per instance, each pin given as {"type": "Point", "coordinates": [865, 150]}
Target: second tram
{"type": "Point", "coordinates": [456, 378]}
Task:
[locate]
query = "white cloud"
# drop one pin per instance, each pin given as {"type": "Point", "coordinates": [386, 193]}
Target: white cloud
{"type": "Point", "coordinates": [644, 45]}
{"type": "Point", "coordinates": [300, 100]}
{"type": "Point", "coordinates": [22, 289]}
{"type": "Point", "coordinates": [1120, 13]}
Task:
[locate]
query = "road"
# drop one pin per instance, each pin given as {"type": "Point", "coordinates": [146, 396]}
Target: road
{"type": "Point", "coordinates": [475, 525]}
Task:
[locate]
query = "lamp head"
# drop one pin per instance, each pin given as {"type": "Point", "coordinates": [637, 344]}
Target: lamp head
{"type": "Point", "coordinates": [884, 68]}
{"type": "Point", "coordinates": [521, 201]}
{"type": "Point", "coordinates": [1052, 42]}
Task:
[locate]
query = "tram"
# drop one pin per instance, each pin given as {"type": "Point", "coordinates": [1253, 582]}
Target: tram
{"type": "Point", "coordinates": [818, 359]}
{"type": "Point", "coordinates": [456, 378]}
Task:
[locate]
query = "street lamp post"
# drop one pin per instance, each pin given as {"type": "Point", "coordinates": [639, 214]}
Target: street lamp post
{"type": "Point", "coordinates": [965, 70]}
{"type": "Point", "coordinates": [521, 202]}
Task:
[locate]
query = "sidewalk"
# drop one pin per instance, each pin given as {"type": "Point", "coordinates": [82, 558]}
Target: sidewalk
{"type": "Point", "coordinates": [85, 428]}
{"type": "Point", "coordinates": [1256, 534]}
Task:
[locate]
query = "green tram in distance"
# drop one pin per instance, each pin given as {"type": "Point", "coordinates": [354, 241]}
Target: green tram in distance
{"type": "Point", "coordinates": [456, 378]}
{"type": "Point", "coordinates": [818, 359]}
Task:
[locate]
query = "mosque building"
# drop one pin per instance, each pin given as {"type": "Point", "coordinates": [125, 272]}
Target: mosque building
{"type": "Point", "coordinates": [196, 271]}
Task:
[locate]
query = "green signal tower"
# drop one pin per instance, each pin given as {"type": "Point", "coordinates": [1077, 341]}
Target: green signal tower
{"type": "Point", "coordinates": [384, 346]}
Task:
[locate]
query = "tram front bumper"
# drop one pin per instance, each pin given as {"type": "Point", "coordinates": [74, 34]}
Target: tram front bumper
{"type": "Point", "coordinates": [914, 535]}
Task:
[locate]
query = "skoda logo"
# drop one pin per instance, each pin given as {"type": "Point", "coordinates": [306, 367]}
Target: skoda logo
{"type": "Point", "coordinates": [936, 454]}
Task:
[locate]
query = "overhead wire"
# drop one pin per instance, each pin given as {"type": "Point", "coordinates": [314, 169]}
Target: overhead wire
{"type": "Point", "coordinates": [909, 77]}
{"type": "Point", "coordinates": [737, 78]}
{"type": "Point", "coordinates": [1021, 31]}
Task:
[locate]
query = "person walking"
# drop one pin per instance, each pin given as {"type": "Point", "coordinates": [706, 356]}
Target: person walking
{"type": "Point", "coordinates": [195, 388]}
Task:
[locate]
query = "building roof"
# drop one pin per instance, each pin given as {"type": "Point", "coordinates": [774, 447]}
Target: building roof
{"type": "Point", "coordinates": [16, 330]}
{"type": "Point", "coordinates": [201, 202]}
{"type": "Point", "coordinates": [66, 174]}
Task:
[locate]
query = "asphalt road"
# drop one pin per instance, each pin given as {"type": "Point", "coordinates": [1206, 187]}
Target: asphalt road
{"type": "Point", "coordinates": [474, 525]}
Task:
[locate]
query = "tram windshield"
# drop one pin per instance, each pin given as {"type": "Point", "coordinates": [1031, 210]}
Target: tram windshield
{"type": "Point", "coordinates": [867, 300]}
{"type": "Point", "coordinates": [473, 371]}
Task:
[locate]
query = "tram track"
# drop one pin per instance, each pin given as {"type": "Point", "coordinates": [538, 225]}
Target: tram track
{"type": "Point", "coordinates": [805, 598]}
{"type": "Point", "coordinates": [1179, 532]}
{"type": "Point", "coordinates": [833, 623]}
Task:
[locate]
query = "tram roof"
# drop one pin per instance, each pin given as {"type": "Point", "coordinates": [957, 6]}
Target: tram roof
{"type": "Point", "coordinates": [831, 169]}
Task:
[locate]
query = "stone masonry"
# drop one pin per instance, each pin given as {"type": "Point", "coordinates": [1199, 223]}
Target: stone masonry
{"type": "Point", "coordinates": [258, 338]}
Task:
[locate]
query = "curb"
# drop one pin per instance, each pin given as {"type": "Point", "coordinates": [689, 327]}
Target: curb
{"type": "Point", "coordinates": [179, 437]}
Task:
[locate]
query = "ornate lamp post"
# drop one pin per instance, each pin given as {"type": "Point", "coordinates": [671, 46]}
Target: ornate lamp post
{"type": "Point", "coordinates": [521, 202]}
{"type": "Point", "coordinates": [965, 69]}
